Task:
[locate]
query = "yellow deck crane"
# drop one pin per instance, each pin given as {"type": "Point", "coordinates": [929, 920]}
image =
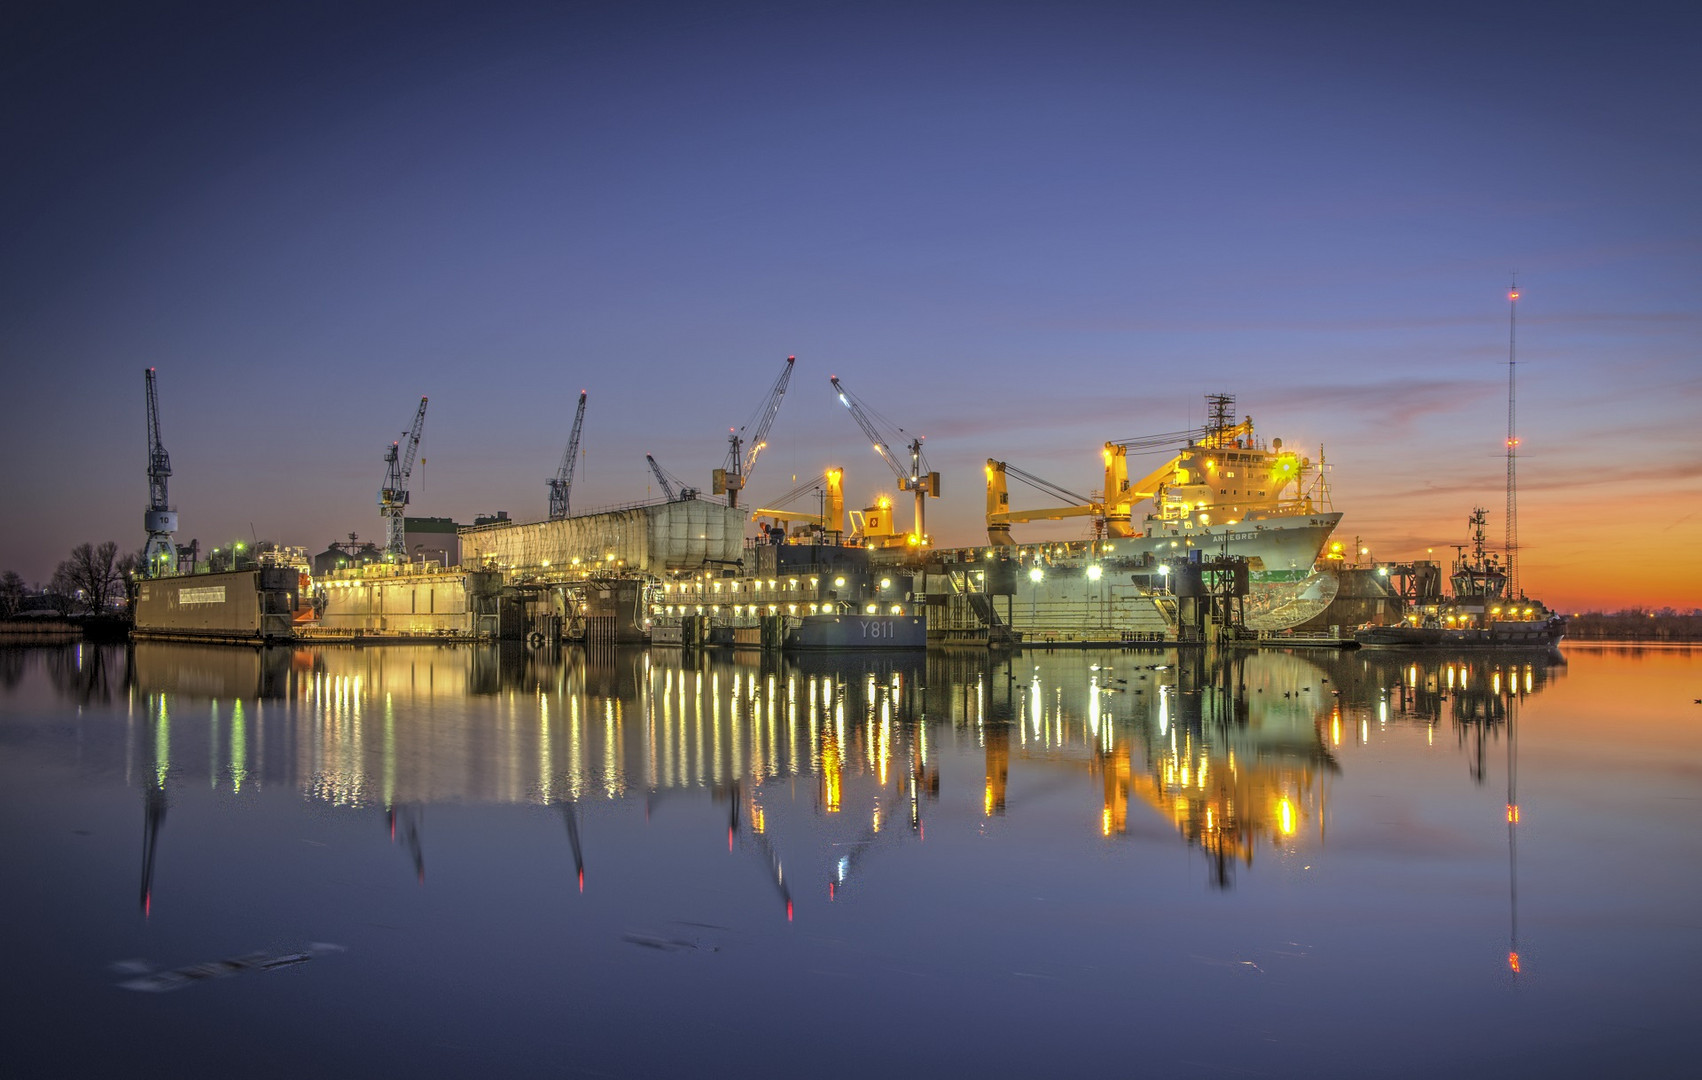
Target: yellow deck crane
{"type": "Point", "coordinates": [830, 502]}
{"type": "Point", "coordinates": [1000, 516]}
{"type": "Point", "coordinates": [919, 480]}
{"type": "Point", "coordinates": [730, 479]}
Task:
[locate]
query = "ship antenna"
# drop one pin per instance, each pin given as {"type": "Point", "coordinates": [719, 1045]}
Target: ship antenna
{"type": "Point", "coordinates": [1512, 447]}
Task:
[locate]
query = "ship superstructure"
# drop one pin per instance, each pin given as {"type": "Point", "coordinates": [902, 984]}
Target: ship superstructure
{"type": "Point", "coordinates": [1224, 492]}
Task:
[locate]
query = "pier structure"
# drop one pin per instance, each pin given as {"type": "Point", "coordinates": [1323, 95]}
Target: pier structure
{"type": "Point", "coordinates": [1074, 593]}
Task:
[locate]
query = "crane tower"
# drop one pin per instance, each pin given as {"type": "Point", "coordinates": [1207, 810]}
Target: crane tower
{"type": "Point", "coordinates": [393, 496]}
{"type": "Point", "coordinates": [160, 556]}
{"type": "Point", "coordinates": [561, 485]}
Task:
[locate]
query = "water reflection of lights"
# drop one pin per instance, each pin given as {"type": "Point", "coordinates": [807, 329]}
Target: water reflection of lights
{"type": "Point", "coordinates": [1233, 753]}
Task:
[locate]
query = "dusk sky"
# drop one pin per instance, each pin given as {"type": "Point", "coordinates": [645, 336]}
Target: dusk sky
{"type": "Point", "coordinates": [1016, 229]}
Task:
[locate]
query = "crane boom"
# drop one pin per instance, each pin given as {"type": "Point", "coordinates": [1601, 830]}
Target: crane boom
{"type": "Point", "coordinates": [730, 478]}
{"type": "Point", "coordinates": [393, 496]}
{"type": "Point", "coordinates": [561, 485]}
{"type": "Point", "coordinates": [920, 479]}
{"type": "Point", "coordinates": [160, 520]}
{"type": "Point", "coordinates": [672, 487]}
{"type": "Point", "coordinates": [661, 477]}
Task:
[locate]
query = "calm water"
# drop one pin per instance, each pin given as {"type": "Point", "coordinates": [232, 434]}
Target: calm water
{"type": "Point", "coordinates": [467, 861]}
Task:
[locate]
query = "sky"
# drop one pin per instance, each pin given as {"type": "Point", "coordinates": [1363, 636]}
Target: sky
{"type": "Point", "coordinates": [1017, 230]}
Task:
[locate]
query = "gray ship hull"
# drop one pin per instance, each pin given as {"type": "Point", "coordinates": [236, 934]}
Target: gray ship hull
{"type": "Point", "coordinates": [856, 631]}
{"type": "Point", "coordinates": [1500, 635]}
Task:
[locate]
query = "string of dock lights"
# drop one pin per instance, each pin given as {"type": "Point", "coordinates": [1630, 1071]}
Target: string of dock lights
{"type": "Point", "coordinates": [700, 595]}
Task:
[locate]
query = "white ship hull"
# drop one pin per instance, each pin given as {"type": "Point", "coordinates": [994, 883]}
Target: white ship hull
{"type": "Point", "coordinates": [1276, 548]}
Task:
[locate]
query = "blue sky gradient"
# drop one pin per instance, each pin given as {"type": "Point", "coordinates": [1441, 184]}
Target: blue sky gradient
{"type": "Point", "coordinates": [1018, 229]}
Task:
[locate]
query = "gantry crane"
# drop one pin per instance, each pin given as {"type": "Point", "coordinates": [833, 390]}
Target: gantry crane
{"type": "Point", "coordinates": [730, 479]}
{"type": "Point", "coordinates": [675, 489]}
{"type": "Point", "coordinates": [393, 496]}
{"type": "Point", "coordinates": [561, 485]}
{"type": "Point", "coordinates": [919, 480]}
{"type": "Point", "coordinates": [160, 555]}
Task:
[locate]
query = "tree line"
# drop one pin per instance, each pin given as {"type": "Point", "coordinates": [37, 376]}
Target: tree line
{"type": "Point", "coordinates": [94, 581]}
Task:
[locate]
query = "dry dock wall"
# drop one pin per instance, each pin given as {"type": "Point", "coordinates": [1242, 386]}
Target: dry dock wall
{"type": "Point", "coordinates": [400, 602]}
{"type": "Point", "coordinates": [240, 605]}
{"type": "Point", "coordinates": [658, 539]}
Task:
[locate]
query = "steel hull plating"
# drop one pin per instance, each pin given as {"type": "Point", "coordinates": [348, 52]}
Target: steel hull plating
{"type": "Point", "coordinates": [1500, 635]}
{"type": "Point", "coordinates": [852, 631]}
{"type": "Point", "coordinates": [1276, 548]}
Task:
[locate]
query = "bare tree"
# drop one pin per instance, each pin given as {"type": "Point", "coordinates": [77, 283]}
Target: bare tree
{"type": "Point", "coordinates": [61, 592]}
{"type": "Point", "coordinates": [129, 569]}
{"type": "Point", "coordinates": [93, 575]}
{"type": "Point", "coordinates": [11, 594]}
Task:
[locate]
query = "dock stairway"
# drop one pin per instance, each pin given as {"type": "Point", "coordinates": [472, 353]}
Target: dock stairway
{"type": "Point", "coordinates": [990, 628]}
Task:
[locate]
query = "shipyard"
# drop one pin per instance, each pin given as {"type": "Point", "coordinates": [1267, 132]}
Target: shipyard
{"type": "Point", "coordinates": [586, 539]}
{"type": "Point", "coordinates": [1227, 540]}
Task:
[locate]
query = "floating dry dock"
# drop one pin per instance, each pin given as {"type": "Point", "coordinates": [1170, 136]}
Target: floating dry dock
{"type": "Point", "coordinates": [682, 572]}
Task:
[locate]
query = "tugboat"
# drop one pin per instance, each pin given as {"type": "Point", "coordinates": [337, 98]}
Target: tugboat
{"type": "Point", "coordinates": [1479, 614]}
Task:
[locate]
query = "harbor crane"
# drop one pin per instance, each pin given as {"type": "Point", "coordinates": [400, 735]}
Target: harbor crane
{"type": "Point", "coordinates": [561, 485]}
{"type": "Point", "coordinates": [920, 480]}
{"type": "Point", "coordinates": [393, 496]}
{"type": "Point", "coordinates": [672, 486]}
{"type": "Point", "coordinates": [730, 479]}
{"type": "Point", "coordinates": [160, 520]}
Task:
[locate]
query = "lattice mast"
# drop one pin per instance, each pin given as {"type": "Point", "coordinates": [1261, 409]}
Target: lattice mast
{"type": "Point", "coordinates": [1513, 589]}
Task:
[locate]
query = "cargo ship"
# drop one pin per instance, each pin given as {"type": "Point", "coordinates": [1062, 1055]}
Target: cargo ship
{"type": "Point", "coordinates": [1224, 492]}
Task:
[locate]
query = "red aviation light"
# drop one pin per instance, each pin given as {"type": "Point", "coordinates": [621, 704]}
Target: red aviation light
{"type": "Point", "coordinates": [1513, 962]}
{"type": "Point", "coordinates": [582, 879]}
{"type": "Point", "coordinates": [1512, 813]}
{"type": "Point", "coordinates": [1512, 294]}
{"type": "Point", "coordinates": [788, 909]}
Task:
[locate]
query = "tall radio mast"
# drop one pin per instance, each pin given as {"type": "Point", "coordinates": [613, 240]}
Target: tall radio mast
{"type": "Point", "coordinates": [1512, 448]}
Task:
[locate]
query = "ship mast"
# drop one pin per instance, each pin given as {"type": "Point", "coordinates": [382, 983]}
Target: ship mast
{"type": "Point", "coordinates": [1513, 589]}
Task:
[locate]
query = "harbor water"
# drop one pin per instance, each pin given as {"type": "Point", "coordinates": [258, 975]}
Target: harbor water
{"type": "Point", "coordinates": [509, 861]}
